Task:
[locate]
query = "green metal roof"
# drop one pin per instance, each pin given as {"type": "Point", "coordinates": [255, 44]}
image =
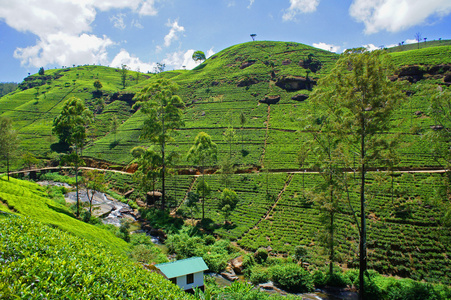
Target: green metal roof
{"type": "Point", "coordinates": [182, 267]}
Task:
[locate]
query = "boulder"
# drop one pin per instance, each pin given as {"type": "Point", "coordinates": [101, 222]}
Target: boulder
{"type": "Point", "coordinates": [286, 62]}
{"type": "Point", "coordinates": [247, 63]}
{"type": "Point", "coordinates": [229, 276]}
{"type": "Point", "coordinates": [300, 97]}
{"type": "Point", "coordinates": [295, 83]}
{"type": "Point", "coordinates": [270, 100]}
{"type": "Point", "coordinates": [237, 265]}
{"type": "Point", "coordinates": [247, 82]}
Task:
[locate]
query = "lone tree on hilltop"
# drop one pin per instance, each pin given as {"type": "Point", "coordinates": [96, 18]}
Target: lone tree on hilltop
{"type": "Point", "coordinates": [253, 35]}
{"type": "Point", "coordinates": [418, 38]}
{"type": "Point", "coordinates": [163, 110]}
{"type": "Point", "coordinates": [41, 71]}
{"type": "Point", "coordinates": [199, 56]}
{"type": "Point", "coordinates": [356, 100]}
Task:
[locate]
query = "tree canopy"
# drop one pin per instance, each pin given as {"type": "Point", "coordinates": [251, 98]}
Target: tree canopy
{"type": "Point", "coordinates": [8, 141]}
{"type": "Point", "coordinates": [199, 56]}
{"type": "Point", "coordinates": [164, 111]}
{"type": "Point", "coordinates": [353, 104]}
{"type": "Point", "coordinates": [70, 124]}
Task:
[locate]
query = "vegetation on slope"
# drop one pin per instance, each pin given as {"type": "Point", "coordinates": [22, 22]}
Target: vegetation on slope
{"type": "Point", "coordinates": [31, 200]}
{"type": "Point", "coordinates": [39, 262]}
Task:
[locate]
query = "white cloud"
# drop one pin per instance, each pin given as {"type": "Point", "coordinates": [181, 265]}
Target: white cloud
{"type": "Point", "coordinates": [62, 26]}
{"type": "Point", "coordinates": [118, 21]}
{"type": "Point", "coordinates": [250, 3]}
{"type": "Point", "coordinates": [180, 59]}
{"type": "Point", "coordinates": [172, 35]}
{"type": "Point", "coordinates": [371, 47]}
{"type": "Point", "coordinates": [300, 6]}
{"type": "Point", "coordinates": [396, 15]}
{"type": "Point", "coordinates": [65, 50]}
{"type": "Point", "coordinates": [132, 62]}
{"type": "Point", "coordinates": [137, 24]}
{"type": "Point", "coordinates": [148, 8]}
{"type": "Point", "coordinates": [327, 47]}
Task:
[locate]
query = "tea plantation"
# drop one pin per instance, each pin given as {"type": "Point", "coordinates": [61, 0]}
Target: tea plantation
{"type": "Point", "coordinates": [269, 83]}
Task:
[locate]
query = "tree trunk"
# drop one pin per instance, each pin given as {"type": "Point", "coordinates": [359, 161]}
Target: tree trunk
{"type": "Point", "coordinates": [7, 164]}
{"type": "Point", "coordinates": [163, 193]}
{"type": "Point", "coordinates": [363, 258]}
{"type": "Point", "coordinates": [76, 186]}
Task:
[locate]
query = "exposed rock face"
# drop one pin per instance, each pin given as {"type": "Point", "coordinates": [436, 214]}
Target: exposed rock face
{"type": "Point", "coordinates": [247, 82]}
{"type": "Point", "coordinates": [295, 83]}
{"type": "Point", "coordinates": [411, 73]}
{"type": "Point", "coordinates": [237, 265]}
{"type": "Point", "coordinates": [310, 64]}
{"type": "Point", "coordinates": [416, 73]}
{"type": "Point", "coordinates": [270, 100]}
{"type": "Point", "coordinates": [127, 97]}
{"type": "Point", "coordinates": [248, 63]}
{"type": "Point", "coordinates": [286, 62]}
{"type": "Point", "coordinates": [300, 97]}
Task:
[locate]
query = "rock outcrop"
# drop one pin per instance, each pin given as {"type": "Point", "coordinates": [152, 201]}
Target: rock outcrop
{"type": "Point", "coordinates": [295, 83]}
{"type": "Point", "coordinates": [300, 97]}
{"type": "Point", "coordinates": [270, 100]}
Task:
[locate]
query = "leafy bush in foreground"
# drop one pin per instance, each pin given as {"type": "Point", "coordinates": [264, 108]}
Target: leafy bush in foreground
{"type": "Point", "coordinates": [38, 262]}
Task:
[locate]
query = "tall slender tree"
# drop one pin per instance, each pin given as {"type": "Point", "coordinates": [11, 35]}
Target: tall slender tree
{"type": "Point", "coordinates": [8, 141]}
{"type": "Point", "coordinates": [202, 152]}
{"type": "Point", "coordinates": [357, 99]}
{"type": "Point", "coordinates": [163, 110]}
{"type": "Point", "coordinates": [70, 126]}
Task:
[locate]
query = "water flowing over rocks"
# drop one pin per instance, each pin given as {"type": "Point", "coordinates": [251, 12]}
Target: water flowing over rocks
{"type": "Point", "coordinates": [110, 210]}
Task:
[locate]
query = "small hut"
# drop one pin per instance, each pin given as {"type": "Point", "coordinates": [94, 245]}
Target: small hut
{"type": "Point", "coordinates": [186, 273]}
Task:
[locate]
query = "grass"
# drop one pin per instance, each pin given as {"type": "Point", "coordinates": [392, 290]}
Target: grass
{"type": "Point", "coordinates": [30, 199]}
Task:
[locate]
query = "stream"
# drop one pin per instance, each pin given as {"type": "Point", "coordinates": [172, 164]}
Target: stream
{"type": "Point", "coordinates": [108, 209]}
{"type": "Point", "coordinates": [112, 211]}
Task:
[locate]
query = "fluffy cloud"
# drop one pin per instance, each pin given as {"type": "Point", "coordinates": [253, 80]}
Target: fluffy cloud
{"type": "Point", "coordinates": [300, 6]}
{"type": "Point", "coordinates": [118, 21]}
{"type": "Point", "coordinates": [132, 62]}
{"type": "Point", "coordinates": [327, 47]}
{"type": "Point", "coordinates": [63, 26]}
{"type": "Point", "coordinates": [173, 32]}
{"type": "Point", "coordinates": [396, 15]}
{"type": "Point", "coordinates": [180, 59]}
{"type": "Point", "coordinates": [65, 50]}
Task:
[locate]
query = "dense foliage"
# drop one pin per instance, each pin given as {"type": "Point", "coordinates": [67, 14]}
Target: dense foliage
{"type": "Point", "coordinates": [38, 262]}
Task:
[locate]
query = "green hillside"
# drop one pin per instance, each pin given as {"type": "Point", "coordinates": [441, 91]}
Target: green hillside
{"type": "Point", "coordinates": [408, 233]}
{"type": "Point", "coordinates": [31, 200]}
{"type": "Point", "coordinates": [41, 262]}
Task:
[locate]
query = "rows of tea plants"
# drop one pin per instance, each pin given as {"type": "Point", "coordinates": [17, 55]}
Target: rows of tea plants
{"type": "Point", "coordinates": [30, 199]}
{"type": "Point", "coordinates": [256, 194]}
{"type": "Point", "coordinates": [426, 56]}
{"type": "Point", "coordinates": [40, 262]}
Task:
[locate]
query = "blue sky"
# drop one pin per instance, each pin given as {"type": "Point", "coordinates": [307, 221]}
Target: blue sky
{"type": "Point", "coordinates": [140, 33]}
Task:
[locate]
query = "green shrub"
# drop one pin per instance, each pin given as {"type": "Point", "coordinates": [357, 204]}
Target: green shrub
{"type": "Point", "coordinates": [259, 274]}
{"type": "Point", "coordinates": [209, 240]}
{"type": "Point", "coordinates": [337, 280]}
{"type": "Point", "coordinates": [292, 278]}
{"type": "Point", "coordinates": [148, 254]}
{"type": "Point", "coordinates": [261, 255]}
{"type": "Point", "coordinates": [216, 262]}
